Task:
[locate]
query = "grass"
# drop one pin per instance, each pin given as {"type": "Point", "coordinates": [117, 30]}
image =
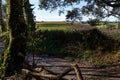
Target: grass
{"type": "Point", "coordinates": [105, 58]}
{"type": "Point", "coordinates": [101, 26]}
{"type": "Point", "coordinates": [42, 28]}
{"type": "Point", "coordinates": [107, 25]}
{"type": "Point", "coordinates": [114, 33]}
{"type": "Point", "coordinates": [63, 26]}
{"type": "Point", "coordinates": [50, 26]}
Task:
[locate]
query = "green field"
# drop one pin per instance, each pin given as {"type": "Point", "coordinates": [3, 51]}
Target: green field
{"type": "Point", "coordinates": [109, 25]}
{"type": "Point", "coordinates": [64, 26]}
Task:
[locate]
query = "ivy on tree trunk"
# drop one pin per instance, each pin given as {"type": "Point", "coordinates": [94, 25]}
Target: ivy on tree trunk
{"type": "Point", "coordinates": [18, 28]}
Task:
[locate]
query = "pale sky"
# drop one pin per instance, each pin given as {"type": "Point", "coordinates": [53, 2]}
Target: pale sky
{"type": "Point", "coordinates": [42, 15]}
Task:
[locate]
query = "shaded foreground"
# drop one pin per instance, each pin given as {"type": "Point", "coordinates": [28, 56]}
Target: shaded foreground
{"type": "Point", "coordinates": [73, 44]}
{"type": "Point", "coordinates": [89, 70]}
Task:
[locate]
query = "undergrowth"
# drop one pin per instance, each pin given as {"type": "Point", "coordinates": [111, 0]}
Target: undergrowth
{"type": "Point", "coordinates": [84, 44]}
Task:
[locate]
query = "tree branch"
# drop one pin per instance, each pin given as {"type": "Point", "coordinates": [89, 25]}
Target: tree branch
{"type": "Point", "coordinates": [112, 3]}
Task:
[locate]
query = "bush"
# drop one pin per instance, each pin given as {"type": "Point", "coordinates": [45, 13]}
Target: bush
{"type": "Point", "coordinates": [71, 44]}
{"type": "Point", "coordinates": [93, 22]}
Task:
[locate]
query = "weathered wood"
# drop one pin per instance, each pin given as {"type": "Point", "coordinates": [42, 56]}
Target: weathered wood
{"type": "Point", "coordinates": [64, 73]}
{"type": "Point", "coordinates": [41, 72]}
{"type": "Point", "coordinates": [38, 70]}
{"type": "Point", "coordinates": [77, 71]}
{"type": "Point", "coordinates": [28, 72]}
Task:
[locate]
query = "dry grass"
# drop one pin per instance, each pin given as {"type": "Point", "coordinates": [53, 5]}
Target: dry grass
{"type": "Point", "coordinates": [106, 58]}
{"type": "Point", "coordinates": [114, 33]}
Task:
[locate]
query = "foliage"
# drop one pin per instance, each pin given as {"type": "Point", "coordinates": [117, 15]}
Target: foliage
{"type": "Point", "coordinates": [100, 9]}
{"type": "Point", "coordinates": [93, 22]}
{"type": "Point", "coordinates": [73, 15]}
{"type": "Point", "coordinates": [15, 42]}
{"type": "Point", "coordinates": [7, 40]}
{"type": "Point", "coordinates": [29, 16]}
{"type": "Point", "coordinates": [111, 3]}
{"type": "Point", "coordinates": [5, 56]}
{"type": "Point", "coordinates": [73, 44]}
{"type": "Point", "coordinates": [54, 4]}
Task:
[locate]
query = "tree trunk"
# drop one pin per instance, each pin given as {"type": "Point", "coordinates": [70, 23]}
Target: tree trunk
{"type": "Point", "coordinates": [18, 28]}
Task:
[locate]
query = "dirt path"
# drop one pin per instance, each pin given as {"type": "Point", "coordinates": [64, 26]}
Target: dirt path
{"type": "Point", "coordinates": [89, 71]}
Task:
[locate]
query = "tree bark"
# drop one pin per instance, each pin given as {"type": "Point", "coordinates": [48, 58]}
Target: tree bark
{"type": "Point", "coordinates": [19, 34]}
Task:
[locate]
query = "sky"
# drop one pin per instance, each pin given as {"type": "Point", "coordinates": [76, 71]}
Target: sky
{"type": "Point", "coordinates": [43, 15]}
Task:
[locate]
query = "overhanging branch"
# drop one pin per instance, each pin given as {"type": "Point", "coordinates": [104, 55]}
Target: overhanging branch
{"type": "Point", "coordinates": [112, 3]}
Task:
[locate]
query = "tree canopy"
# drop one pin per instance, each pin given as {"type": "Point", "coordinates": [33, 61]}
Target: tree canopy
{"type": "Point", "coordinates": [98, 8]}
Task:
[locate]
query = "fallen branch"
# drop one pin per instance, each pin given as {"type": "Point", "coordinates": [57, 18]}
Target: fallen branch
{"type": "Point", "coordinates": [44, 73]}
{"type": "Point", "coordinates": [64, 73]}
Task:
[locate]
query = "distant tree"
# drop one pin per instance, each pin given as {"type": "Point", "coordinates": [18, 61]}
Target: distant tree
{"type": "Point", "coordinates": [93, 22]}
